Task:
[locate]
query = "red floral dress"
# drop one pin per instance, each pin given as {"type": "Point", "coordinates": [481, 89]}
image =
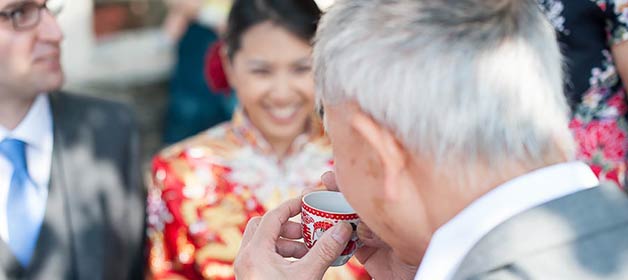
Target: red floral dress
{"type": "Point", "coordinates": [203, 191]}
{"type": "Point", "coordinates": [586, 30]}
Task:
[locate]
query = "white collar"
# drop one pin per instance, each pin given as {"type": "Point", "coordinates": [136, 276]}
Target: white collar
{"type": "Point", "coordinates": [452, 241]}
{"type": "Point", "coordinates": [35, 128]}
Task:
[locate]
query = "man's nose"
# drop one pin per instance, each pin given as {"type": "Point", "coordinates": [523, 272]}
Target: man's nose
{"type": "Point", "coordinates": [49, 29]}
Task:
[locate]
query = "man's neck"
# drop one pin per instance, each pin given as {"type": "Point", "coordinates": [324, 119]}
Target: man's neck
{"type": "Point", "coordinates": [13, 111]}
{"type": "Point", "coordinates": [486, 180]}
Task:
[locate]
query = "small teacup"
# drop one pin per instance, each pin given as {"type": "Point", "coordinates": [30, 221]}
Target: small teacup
{"type": "Point", "coordinates": [320, 211]}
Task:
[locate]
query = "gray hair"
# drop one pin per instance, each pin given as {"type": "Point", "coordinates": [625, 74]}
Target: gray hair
{"type": "Point", "coordinates": [458, 81]}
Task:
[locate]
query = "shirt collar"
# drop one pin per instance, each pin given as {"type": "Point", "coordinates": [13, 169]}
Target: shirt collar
{"type": "Point", "coordinates": [34, 128]}
{"type": "Point", "coordinates": [244, 129]}
{"type": "Point", "coordinates": [452, 241]}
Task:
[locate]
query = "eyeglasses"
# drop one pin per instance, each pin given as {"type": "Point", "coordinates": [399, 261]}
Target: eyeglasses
{"type": "Point", "coordinates": [27, 15]}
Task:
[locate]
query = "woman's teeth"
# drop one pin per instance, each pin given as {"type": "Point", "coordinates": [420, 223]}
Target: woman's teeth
{"type": "Point", "coordinates": [285, 112]}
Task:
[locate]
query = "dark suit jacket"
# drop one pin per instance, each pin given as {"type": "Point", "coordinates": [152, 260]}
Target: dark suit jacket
{"type": "Point", "coordinates": [579, 236]}
{"type": "Point", "coordinates": [94, 222]}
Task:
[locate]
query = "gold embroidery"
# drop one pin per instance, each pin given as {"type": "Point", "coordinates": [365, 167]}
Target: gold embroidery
{"type": "Point", "coordinates": [224, 252]}
{"type": "Point", "coordinates": [157, 257]}
{"type": "Point", "coordinates": [189, 210]}
{"type": "Point", "coordinates": [186, 249]}
{"type": "Point", "coordinates": [215, 270]}
{"type": "Point", "coordinates": [225, 220]}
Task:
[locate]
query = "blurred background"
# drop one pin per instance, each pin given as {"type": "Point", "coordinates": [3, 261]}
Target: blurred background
{"type": "Point", "coordinates": [150, 55]}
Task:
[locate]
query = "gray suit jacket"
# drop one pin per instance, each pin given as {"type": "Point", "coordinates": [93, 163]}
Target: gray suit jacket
{"type": "Point", "coordinates": [94, 222]}
{"type": "Point", "coordinates": [580, 236]}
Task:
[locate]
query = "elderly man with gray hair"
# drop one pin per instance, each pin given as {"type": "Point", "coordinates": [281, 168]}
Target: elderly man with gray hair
{"type": "Point", "coordinates": [451, 142]}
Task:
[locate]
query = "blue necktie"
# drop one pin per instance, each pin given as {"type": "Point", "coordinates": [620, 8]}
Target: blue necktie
{"type": "Point", "coordinates": [24, 208]}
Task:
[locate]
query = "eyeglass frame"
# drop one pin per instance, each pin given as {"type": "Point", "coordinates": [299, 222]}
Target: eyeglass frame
{"type": "Point", "coordinates": [10, 15]}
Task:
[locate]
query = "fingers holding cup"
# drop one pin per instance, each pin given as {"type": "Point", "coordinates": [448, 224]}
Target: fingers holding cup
{"type": "Point", "coordinates": [329, 180]}
{"type": "Point", "coordinates": [250, 229]}
{"type": "Point", "coordinates": [270, 226]}
{"type": "Point", "coordinates": [291, 248]}
{"type": "Point", "coordinates": [320, 212]}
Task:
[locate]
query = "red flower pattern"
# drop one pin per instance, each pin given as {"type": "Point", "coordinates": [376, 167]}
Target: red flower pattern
{"type": "Point", "coordinates": [603, 144]}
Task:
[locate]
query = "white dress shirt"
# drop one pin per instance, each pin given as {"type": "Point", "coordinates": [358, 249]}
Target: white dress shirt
{"type": "Point", "coordinates": [36, 131]}
{"type": "Point", "coordinates": [452, 241]}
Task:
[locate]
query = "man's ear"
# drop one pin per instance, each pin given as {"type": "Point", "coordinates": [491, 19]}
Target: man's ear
{"type": "Point", "coordinates": [387, 148]}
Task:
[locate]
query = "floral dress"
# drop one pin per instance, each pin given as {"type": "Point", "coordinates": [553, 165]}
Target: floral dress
{"type": "Point", "coordinates": [203, 191]}
{"type": "Point", "coordinates": [586, 31]}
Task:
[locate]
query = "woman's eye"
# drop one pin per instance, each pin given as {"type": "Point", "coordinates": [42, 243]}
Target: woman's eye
{"type": "Point", "coordinates": [260, 71]}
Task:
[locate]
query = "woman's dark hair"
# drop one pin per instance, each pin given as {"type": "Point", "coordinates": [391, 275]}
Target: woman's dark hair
{"type": "Point", "coordinates": [300, 17]}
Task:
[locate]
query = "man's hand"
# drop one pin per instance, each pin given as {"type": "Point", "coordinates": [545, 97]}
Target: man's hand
{"type": "Point", "coordinates": [270, 239]}
{"type": "Point", "coordinates": [189, 8]}
{"type": "Point", "coordinates": [378, 258]}
{"type": "Point", "coordinates": [180, 14]}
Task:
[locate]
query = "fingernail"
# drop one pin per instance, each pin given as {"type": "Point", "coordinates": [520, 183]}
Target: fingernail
{"type": "Point", "coordinates": [341, 232]}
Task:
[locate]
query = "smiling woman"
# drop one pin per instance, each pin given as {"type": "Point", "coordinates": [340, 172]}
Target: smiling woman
{"type": "Point", "coordinates": [204, 190]}
{"type": "Point", "coordinates": [272, 79]}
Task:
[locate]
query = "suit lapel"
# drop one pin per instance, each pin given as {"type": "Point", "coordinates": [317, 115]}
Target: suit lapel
{"type": "Point", "coordinates": [62, 169]}
{"type": "Point", "coordinates": [557, 222]}
{"type": "Point", "coordinates": [11, 268]}
{"type": "Point", "coordinates": [53, 254]}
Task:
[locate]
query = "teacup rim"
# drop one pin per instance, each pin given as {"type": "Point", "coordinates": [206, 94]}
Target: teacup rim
{"type": "Point", "coordinates": [335, 213]}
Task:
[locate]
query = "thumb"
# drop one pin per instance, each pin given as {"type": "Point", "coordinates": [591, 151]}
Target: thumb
{"type": "Point", "coordinates": [328, 247]}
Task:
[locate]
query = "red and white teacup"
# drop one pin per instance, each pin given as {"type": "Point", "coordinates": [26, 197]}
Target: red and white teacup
{"type": "Point", "coordinates": [320, 211]}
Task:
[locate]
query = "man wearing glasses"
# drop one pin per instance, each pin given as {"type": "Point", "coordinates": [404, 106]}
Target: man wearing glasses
{"type": "Point", "coordinates": [70, 200]}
